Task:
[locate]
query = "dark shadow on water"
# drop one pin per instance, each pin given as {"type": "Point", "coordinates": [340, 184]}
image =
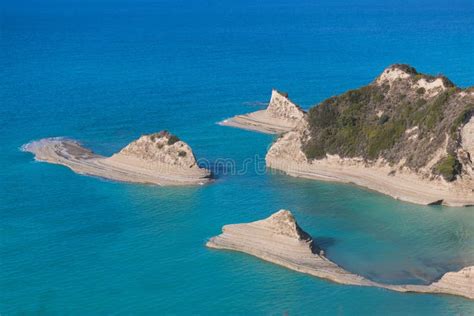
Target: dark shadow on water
{"type": "Point", "coordinates": [321, 244]}
{"type": "Point", "coordinates": [324, 242]}
{"type": "Point", "coordinates": [218, 170]}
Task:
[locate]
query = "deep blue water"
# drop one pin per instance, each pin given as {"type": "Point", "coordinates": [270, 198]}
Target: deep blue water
{"type": "Point", "coordinates": [104, 72]}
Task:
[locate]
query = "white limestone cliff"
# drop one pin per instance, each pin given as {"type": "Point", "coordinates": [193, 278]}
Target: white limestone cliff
{"type": "Point", "coordinates": [280, 116]}
{"type": "Point", "coordinates": [456, 283]}
{"type": "Point", "coordinates": [281, 107]}
{"type": "Point", "coordinates": [467, 138]}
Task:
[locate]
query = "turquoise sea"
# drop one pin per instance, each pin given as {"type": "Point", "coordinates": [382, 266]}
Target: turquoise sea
{"type": "Point", "coordinates": [104, 72]}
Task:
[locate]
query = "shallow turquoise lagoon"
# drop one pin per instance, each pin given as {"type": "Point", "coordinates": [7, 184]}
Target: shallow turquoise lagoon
{"type": "Point", "coordinates": [105, 72]}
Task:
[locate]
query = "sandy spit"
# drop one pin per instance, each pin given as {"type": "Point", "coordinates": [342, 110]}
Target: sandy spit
{"type": "Point", "coordinates": [81, 160]}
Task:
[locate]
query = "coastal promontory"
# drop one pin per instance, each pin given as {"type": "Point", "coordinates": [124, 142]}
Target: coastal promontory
{"type": "Point", "coordinates": [407, 134]}
{"type": "Point", "coordinates": [281, 115]}
{"type": "Point", "coordinates": [280, 240]}
{"type": "Point", "coordinates": [159, 158]}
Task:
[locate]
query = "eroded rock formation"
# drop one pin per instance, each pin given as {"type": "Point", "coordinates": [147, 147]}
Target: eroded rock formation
{"type": "Point", "coordinates": [280, 116]}
{"type": "Point", "coordinates": [159, 158]}
{"type": "Point", "coordinates": [280, 240]}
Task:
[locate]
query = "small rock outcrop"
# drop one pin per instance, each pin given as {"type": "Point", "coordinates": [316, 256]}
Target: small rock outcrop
{"type": "Point", "coordinates": [284, 223]}
{"type": "Point", "coordinates": [158, 149]}
{"type": "Point", "coordinates": [467, 139]}
{"type": "Point", "coordinates": [281, 107]}
{"type": "Point", "coordinates": [159, 158]}
{"type": "Point", "coordinates": [281, 115]}
{"type": "Point", "coordinates": [280, 240]}
{"type": "Point", "coordinates": [457, 283]}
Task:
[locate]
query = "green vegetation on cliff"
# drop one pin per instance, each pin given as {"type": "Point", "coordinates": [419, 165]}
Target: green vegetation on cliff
{"type": "Point", "coordinates": [395, 119]}
{"type": "Point", "coordinates": [448, 167]}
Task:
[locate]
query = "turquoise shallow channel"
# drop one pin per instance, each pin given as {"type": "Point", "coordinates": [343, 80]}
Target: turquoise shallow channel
{"type": "Point", "coordinates": [105, 72]}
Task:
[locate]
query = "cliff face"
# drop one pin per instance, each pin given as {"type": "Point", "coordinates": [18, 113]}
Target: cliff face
{"type": "Point", "coordinates": [458, 283]}
{"type": "Point", "coordinates": [467, 138]}
{"type": "Point", "coordinates": [163, 148]}
{"type": "Point", "coordinates": [281, 115]}
{"type": "Point", "coordinates": [405, 121]}
{"type": "Point", "coordinates": [281, 107]}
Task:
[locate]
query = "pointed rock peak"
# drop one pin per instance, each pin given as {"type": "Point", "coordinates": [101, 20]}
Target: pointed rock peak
{"type": "Point", "coordinates": [277, 93]}
{"type": "Point", "coordinates": [282, 216]}
{"type": "Point", "coordinates": [284, 223]}
{"type": "Point", "coordinates": [282, 107]}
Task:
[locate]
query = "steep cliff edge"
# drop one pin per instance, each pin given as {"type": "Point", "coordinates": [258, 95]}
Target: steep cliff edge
{"type": "Point", "coordinates": [159, 158]}
{"type": "Point", "coordinates": [280, 116]}
{"type": "Point", "coordinates": [406, 134]}
{"type": "Point", "coordinates": [280, 240]}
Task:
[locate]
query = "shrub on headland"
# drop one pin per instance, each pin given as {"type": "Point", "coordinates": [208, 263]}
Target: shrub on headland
{"type": "Point", "coordinates": [448, 167]}
{"type": "Point", "coordinates": [173, 139]}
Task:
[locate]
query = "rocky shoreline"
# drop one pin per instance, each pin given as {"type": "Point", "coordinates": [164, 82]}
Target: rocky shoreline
{"type": "Point", "coordinates": [159, 159]}
{"type": "Point", "coordinates": [407, 135]}
{"type": "Point", "coordinates": [400, 183]}
{"type": "Point", "coordinates": [279, 239]}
